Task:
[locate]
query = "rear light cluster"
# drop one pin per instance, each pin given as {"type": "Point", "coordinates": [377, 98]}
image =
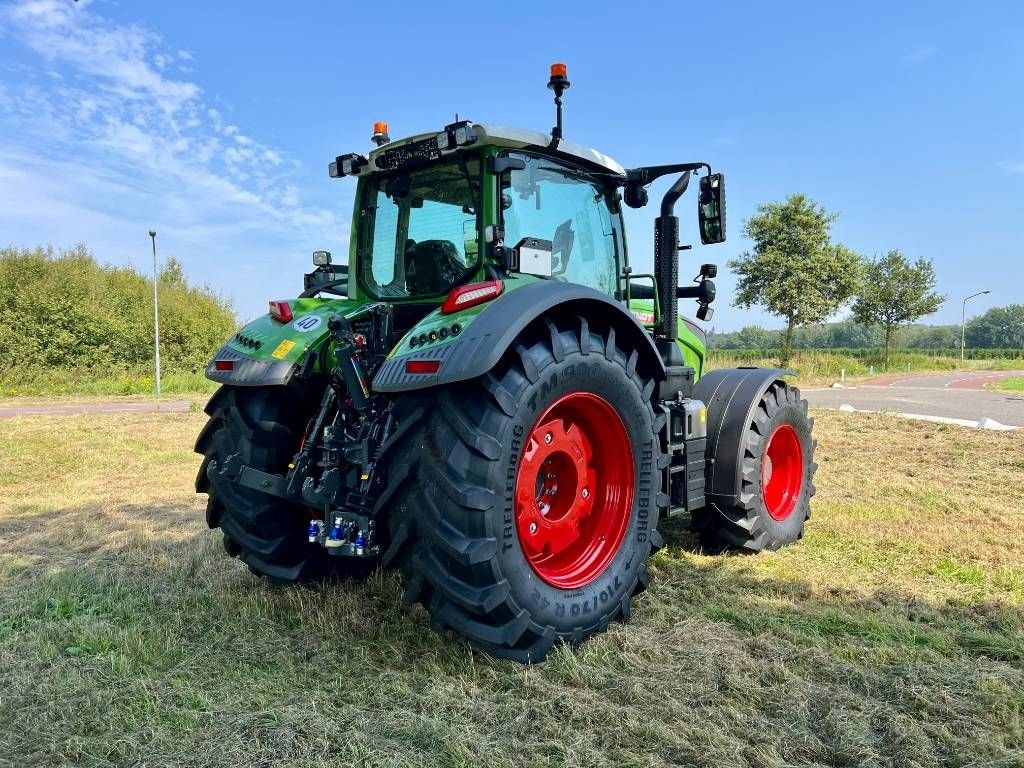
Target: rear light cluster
{"type": "Point", "coordinates": [466, 296]}
{"type": "Point", "coordinates": [422, 366]}
{"type": "Point", "coordinates": [281, 311]}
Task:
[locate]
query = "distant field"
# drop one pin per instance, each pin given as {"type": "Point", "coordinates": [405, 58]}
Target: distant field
{"type": "Point", "coordinates": [817, 366]}
{"type": "Point", "coordinates": [892, 634]}
{"type": "Point", "coordinates": [823, 366]}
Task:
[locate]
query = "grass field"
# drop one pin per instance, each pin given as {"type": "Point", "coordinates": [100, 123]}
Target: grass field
{"type": "Point", "coordinates": [822, 366]}
{"type": "Point", "coordinates": [56, 382]}
{"type": "Point", "coordinates": [1014, 385]}
{"type": "Point", "coordinates": [892, 634]}
{"type": "Point", "coordinates": [813, 367]}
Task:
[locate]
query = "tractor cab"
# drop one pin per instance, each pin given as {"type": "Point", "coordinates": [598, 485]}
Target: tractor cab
{"type": "Point", "coordinates": [477, 203]}
{"type": "Point", "coordinates": [440, 210]}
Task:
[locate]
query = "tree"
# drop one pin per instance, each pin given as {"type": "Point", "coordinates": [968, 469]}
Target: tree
{"type": "Point", "coordinates": [896, 292]}
{"type": "Point", "coordinates": [1000, 327]}
{"type": "Point", "coordinates": [795, 270]}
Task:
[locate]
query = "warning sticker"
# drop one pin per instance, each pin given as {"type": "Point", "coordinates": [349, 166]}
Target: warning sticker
{"type": "Point", "coordinates": [283, 349]}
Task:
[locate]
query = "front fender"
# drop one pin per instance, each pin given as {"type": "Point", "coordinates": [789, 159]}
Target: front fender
{"type": "Point", "coordinates": [484, 341]}
{"type": "Point", "coordinates": [730, 395]}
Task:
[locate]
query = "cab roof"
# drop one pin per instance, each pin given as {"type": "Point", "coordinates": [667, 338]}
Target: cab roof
{"type": "Point", "coordinates": [519, 138]}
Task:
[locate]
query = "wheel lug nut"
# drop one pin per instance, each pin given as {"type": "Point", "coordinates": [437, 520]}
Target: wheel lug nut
{"type": "Point", "coordinates": [548, 438]}
{"type": "Point", "coordinates": [533, 527]}
{"type": "Point", "coordinates": [586, 493]}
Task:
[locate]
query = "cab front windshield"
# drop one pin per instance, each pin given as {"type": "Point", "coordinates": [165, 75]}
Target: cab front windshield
{"type": "Point", "coordinates": [420, 229]}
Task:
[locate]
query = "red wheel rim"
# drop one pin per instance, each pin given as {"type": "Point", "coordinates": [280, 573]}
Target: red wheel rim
{"type": "Point", "coordinates": [574, 490]}
{"type": "Point", "coordinates": [782, 472]}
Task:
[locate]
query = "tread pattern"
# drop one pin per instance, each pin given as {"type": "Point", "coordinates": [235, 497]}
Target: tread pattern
{"type": "Point", "coordinates": [744, 526]}
{"type": "Point", "coordinates": [264, 426]}
{"type": "Point", "coordinates": [439, 536]}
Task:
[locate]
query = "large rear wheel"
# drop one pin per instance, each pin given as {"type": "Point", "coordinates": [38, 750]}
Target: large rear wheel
{"type": "Point", "coordinates": [265, 426]}
{"type": "Point", "coordinates": [522, 505]}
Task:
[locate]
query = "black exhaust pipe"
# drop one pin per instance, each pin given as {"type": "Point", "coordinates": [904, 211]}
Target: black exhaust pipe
{"type": "Point", "coordinates": [666, 259]}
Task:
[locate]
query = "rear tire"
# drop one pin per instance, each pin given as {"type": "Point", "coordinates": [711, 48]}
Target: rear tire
{"type": "Point", "coordinates": [777, 475]}
{"type": "Point", "coordinates": [265, 425]}
{"type": "Point", "coordinates": [459, 498]}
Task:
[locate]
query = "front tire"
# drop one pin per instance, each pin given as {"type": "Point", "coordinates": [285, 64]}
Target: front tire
{"type": "Point", "coordinates": [265, 426]}
{"type": "Point", "coordinates": [523, 506]}
{"type": "Point", "coordinates": [777, 473]}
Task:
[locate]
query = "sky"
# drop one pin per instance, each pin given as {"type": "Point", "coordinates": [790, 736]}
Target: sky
{"type": "Point", "coordinates": [213, 123]}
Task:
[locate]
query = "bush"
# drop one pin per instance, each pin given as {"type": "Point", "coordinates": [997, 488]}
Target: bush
{"type": "Point", "coordinates": [64, 312]}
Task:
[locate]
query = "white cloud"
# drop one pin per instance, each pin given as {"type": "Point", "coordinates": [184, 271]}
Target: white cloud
{"type": "Point", "coordinates": [118, 141]}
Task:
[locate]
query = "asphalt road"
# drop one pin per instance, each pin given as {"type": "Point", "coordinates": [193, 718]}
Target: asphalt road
{"type": "Point", "coordinates": [958, 395]}
{"type": "Point", "coordinates": [70, 409]}
{"type": "Point", "coordinates": [951, 395]}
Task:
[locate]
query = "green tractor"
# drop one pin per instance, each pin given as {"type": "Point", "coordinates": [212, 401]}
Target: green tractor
{"type": "Point", "coordinates": [488, 399]}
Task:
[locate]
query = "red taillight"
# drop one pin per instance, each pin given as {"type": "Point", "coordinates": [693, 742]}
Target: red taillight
{"type": "Point", "coordinates": [281, 311]}
{"type": "Point", "coordinates": [422, 366]}
{"type": "Point", "coordinates": [224, 365]}
{"type": "Point", "coordinates": [466, 296]}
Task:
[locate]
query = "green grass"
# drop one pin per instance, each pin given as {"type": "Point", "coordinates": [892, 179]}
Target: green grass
{"type": "Point", "coordinates": [62, 382]}
{"type": "Point", "coordinates": [823, 366]}
{"type": "Point", "coordinates": [1013, 385]}
{"type": "Point", "coordinates": [892, 634]}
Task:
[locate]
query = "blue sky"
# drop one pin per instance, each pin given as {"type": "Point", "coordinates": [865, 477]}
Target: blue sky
{"type": "Point", "coordinates": [214, 122]}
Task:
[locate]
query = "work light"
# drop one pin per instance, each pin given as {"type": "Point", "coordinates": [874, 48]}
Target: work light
{"type": "Point", "coordinates": [346, 165]}
{"type": "Point", "coordinates": [321, 258]}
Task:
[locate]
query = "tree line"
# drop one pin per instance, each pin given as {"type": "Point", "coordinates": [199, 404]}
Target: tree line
{"type": "Point", "coordinates": [998, 328]}
{"type": "Point", "coordinates": [62, 309]}
{"type": "Point", "coordinates": [796, 271]}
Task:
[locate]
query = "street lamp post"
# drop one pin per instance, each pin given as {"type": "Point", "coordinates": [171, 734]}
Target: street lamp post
{"type": "Point", "coordinates": [156, 312]}
{"type": "Point", "coordinates": [963, 324]}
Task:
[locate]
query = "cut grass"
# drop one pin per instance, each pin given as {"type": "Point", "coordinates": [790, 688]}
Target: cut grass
{"type": "Point", "coordinates": [892, 634]}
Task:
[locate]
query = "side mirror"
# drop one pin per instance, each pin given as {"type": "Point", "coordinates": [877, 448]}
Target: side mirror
{"type": "Point", "coordinates": [636, 196]}
{"type": "Point", "coordinates": [711, 209]}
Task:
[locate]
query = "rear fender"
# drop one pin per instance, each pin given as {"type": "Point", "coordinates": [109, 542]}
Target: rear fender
{"type": "Point", "coordinates": [730, 395]}
{"type": "Point", "coordinates": [482, 343]}
{"type": "Point", "coordinates": [267, 352]}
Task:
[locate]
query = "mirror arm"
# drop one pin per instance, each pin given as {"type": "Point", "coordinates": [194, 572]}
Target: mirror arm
{"type": "Point", "coordinates": [648, 173]}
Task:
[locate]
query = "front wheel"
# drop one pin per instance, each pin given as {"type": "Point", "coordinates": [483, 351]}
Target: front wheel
{"type": "Point", "coordinates": [523, 505]}
{"type": "Point", "coordinates": [776, 478]}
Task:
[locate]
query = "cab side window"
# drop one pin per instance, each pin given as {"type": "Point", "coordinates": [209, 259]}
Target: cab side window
{"type": "Point", "coordinates": [556, 202]}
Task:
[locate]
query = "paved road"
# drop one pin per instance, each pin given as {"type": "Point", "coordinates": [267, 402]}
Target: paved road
{"type": "Point", "coordinates": [958, 395]}
{"type": "Point", "coordinates": [14, 411]}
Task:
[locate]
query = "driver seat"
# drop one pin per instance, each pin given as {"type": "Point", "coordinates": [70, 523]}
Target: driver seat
{"type": "Point", "coordinates": [432, 267]}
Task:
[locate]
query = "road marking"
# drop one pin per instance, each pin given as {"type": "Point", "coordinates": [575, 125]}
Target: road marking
{"type": "Point", "coordinates": [980, 377]}
{"type": "Point", "coordinates": [983, 423]}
